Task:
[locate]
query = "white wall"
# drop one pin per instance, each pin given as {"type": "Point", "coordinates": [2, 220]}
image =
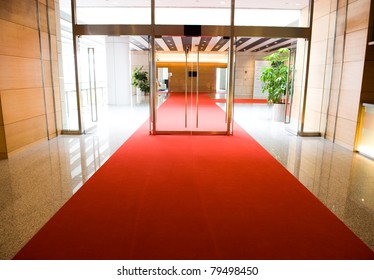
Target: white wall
{"type": "Point", "coordinates": [118, 70]}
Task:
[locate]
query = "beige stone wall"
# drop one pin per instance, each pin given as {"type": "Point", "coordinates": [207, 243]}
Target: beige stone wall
{"type": "Point", "coordinates": [244, 73]}
{"type": "Point", "coordinates": [27, 109]}
{"type": "Point", "coordinates": [337, 62]}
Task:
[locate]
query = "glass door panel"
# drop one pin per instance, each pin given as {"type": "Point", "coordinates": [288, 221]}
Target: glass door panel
{"type": "Point", "coordinates": [290, 84]}
{"type": "Point", "coordinates": [69, 105]}
{"type": "Point", "coordinates": [92, 78]}
{"type": "Point", "coordinates": [294, 107]}
{"type": "Point", "coordinates": [192, 88]}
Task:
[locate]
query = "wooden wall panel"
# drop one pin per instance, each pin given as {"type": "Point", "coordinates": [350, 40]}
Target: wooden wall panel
{"type": "Point", "coordinates": [56, 74]}
{"type": "Point", "coordinates": [22, 12]}
{"type": "Point", "coordinates": [52, 20]}
{"type": "Point", "coordinates": [49, 100]}
{"type": "Point", "coordinates": [14, 38]}
{"type": "Point", "coordinates": [22, 110]}
{"type": "Point", "coordinates": [45, 45]}
{"type": "Point", "coordinates": [368, 82]}
{"type": "Point", "coordinates": [22, 104]}
{"type": "Point", "coordinates": [47, 73]}
{"type": "Point", "coordinates": [24, 133]}
{"type": "Point", "coordinates": [54, 48]}
{"type": "Point", "coordinates": [358, 15]}
{"type": "Point", "coordinates": [57, 98]}
{"type": "Point", "coordinates": [3, 151]}
{"type": "Point", "coordinates": [367, 94]}
{"type": "Point", "coordinates": [341, 21]}
{"type": "Point", "coordinates": [18, 72]}
{"type": "Point", "coordinates": [51, 125]}
{"type": "Point", "coordinates": [355, 46]}
{"type": "Point", "coordinates": [207, 76]}
{"type": "Point", "coordinates": [43, 17]}
{"type": "Point", "coordinates": [1, 112]}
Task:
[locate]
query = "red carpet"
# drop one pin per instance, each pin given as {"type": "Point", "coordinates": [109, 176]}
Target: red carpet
{"type": "Point", "coordinates": [172, 116]}
{"type": "Point", "coordinates": [193, 197]}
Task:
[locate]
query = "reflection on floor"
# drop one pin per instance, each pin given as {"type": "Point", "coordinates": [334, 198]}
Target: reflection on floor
{"type": "Point", "coordinates": [339, 178]}
{"type": "Point", "coordinates": [35, 183]}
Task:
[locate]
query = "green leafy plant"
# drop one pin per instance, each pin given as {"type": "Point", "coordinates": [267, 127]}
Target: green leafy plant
{"type": "Point", "coordinates": [140, 79]}
{"type": "Point", "coordinates": [274, 76]}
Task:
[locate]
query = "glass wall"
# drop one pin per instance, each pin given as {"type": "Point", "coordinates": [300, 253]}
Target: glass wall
{"type": "Point", "coordinates": [184, 12]}
{"type": "Point", "coordinates": [92, 78]}
{"type": "Point", "coordinates": [67, 71]}
{"type": "Point", "coordinates": [215, 13]}
{"type": "Point", "coordinates": [298, 86]}
{"type": "Point", "coordinates": [113, 12]}
{"type": "Point", "coordinates": [271, 13]}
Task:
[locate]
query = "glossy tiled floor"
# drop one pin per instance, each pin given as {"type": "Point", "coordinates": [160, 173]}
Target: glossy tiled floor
{"type": "Point", "coordinates": [35, 183]}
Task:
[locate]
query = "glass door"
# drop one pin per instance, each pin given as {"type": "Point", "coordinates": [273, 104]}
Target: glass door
{"type": "Point", "coordinates": [290, 84]}
{"type": "Point", "coordinates": [92, 79]}
{"type": "Point", "coordinates": [190, 107]}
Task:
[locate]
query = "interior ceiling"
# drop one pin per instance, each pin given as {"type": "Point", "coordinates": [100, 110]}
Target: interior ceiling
{"type": "Point", "coordinates": [211, 44]}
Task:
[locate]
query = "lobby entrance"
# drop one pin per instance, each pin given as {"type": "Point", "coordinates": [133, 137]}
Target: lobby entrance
{"type": "Point", "coordinates": [199, 80]}
{"type": "Point", "coordinates": [194, 78]}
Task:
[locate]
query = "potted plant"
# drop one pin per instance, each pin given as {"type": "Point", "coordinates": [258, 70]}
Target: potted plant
{"type": "Point", "coordinates": [274, 78]}
{"type": "Point", "coordinates": [140, 80]}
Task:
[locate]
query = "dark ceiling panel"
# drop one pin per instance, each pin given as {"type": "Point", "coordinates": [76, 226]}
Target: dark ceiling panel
{"type": "Point", "coordinates": [169, 41]}
{"type": "Point", "coordinates": [220, 44]}
{"type": "Point", "coordinates": [187, 43]}
{"type": "Point", "coordinates": [290, 45]}
{"type": "Point", "coordinates": [256, 43]}
{"type": "Point", "coordinates": [158, 47]}
{"type": "Point", "coordinates": [241, 41]}
{"type": "Point", "coordinates": [272, 44]}
{"type": "Point", "coordinates": [204, 42]}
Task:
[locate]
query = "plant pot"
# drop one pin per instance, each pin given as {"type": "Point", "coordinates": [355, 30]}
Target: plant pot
{"type": "Point", "coordinates": [279, 112]}
{"type": "Point", "coordinates": [139, 92]}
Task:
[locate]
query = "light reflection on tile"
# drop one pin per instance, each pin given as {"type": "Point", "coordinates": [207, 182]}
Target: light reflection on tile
{"type": "Point", "coordinates": [341, 179]}
{"type": "Point", "coordinates": [35, 183]}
